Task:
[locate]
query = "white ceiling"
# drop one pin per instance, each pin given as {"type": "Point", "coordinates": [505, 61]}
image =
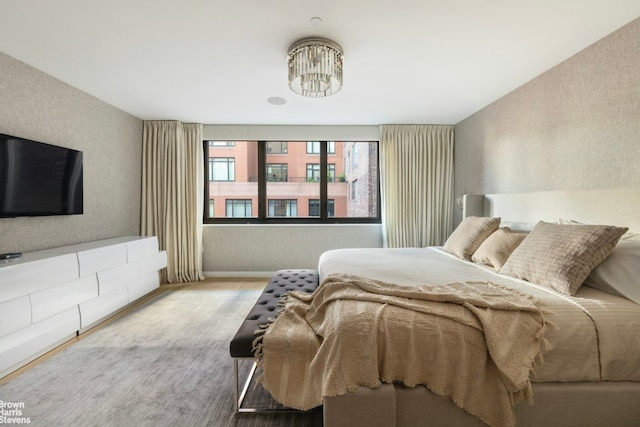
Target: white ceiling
{"type": "Point", "coordinates": [217, 61]}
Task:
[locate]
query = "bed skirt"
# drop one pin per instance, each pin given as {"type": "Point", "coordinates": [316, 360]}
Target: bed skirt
{"type": "Point", "coordinates": [614, 404]}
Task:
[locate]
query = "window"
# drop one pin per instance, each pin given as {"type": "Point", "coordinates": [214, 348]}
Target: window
{"type": "Point", "coordinates": [277, 172]}
{"type": "Point", "coordinates": [222, 144]}
{"type": "Point", "coordinates": [331, 172]}
{"type": "Point", "coordinates": [277, 147]}
{"type": "Point", "coordinates": [354, 156]}
{"type": "Point", "coordinates": [236, 178]}
{"type": "Point", "coordinates": [314, 207]}
{"type": "Point", "coordinates": [313, 147]}
{"type": "Point", "coordinates": [283, 207]}
{"type": "Point", "coordinates": [301, 185]}
{"type": "Point", "coordinates": [222, 169]}
{"type": "Point", "coordinates": [291, 182]}
{"type": "Point", "coordinates": [238, 208]}
{"type": "Point", "coordinates": [313, 171]}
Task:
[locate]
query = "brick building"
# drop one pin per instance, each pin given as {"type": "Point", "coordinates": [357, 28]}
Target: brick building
{"type": "Point", "coordinates": [292, 179]}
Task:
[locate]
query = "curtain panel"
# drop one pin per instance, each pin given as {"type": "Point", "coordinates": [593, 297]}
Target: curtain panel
{"type": "Point", "coordinates": [416, 180]}
{"type": "Point", "coordinates": [172, 189]}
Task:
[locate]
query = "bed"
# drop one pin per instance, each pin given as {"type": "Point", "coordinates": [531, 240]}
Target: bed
{"type": "Point", "coordinates": [586, 370]}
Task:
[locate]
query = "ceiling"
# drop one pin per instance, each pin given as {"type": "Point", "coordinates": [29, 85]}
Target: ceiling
{"type": "Point", "coordinates": [218, 61]}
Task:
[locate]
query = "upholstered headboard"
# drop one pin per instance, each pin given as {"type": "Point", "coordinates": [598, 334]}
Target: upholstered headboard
{"type": "Point", "coordinates": [613, 206]}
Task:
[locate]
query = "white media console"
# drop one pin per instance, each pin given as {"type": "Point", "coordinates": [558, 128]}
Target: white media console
{"type": "Point", "coordinates": [50, 296]}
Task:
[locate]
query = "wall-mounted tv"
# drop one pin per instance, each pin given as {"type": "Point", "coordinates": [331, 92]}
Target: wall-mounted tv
{"type": "Point", "coordinates": [38, 179]}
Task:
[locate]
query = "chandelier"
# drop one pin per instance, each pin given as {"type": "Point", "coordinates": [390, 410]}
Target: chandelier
{"type": "Point", "coordinates": [315, 67]}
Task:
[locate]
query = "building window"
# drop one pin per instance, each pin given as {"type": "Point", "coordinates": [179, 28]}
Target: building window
{"type": "Point", "coordinates": [277, 172]}
{"type": "Point", "coordinates": [313, 147]}
{"type": "Point", "coordinates": [314, 207]}
{"type": "Point", "coordinates": [238, 208]}
{"type": "Point", "coordinates": [222, 169]}
{"type": "Point", "coordinates": [313, 172]}
{"type": "Point", "coordinates": [286, 187]}
{"type": "Point", "coordinates": [277, 147]}
{"type": "Point", "coordinates": [331, 172]}
{"type": "Point", "coordinates": [283, 207]}
{"type": "Point", "coordinates": [354, 156]}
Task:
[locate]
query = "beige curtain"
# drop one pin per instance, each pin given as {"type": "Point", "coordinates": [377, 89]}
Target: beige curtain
{"type": "Point", "coordinates": [172, 192]}
{"type": "Point", "coordinates": [416, 180]}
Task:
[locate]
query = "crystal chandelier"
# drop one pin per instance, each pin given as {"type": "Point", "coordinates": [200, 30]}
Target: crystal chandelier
{"type": "Point", "coordinates": [315, 67]}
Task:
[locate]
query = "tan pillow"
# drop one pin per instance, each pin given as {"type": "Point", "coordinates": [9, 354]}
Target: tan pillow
{"type": "Point", "coordinates": [469, 235]}
{"type": "Point", "coordinates": [495, 250]}
{"type": "Point", "coordinates": [561, 256]}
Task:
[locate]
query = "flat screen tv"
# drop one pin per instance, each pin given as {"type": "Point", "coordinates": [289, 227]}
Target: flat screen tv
{"type": "Point", "coordinates": [38, 179]}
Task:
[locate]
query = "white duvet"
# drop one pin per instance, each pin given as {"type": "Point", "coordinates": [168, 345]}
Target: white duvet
{"type": "Point", "coordinates": [597, 335]}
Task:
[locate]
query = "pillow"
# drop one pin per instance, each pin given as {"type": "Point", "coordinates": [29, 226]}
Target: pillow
{"type": "Point", "coordinates": [468, 236]}
{"type": "Point", "coordinates": [561, 256]}
{"type": "Point", "coordinates": [518, 227]}
{"type": "Point", "coordinates": [495, 250]}
{"type": "Point", "coordinates": [631, 236]}
{"type": "Point", "coordinates": [619, 274]}
{"type": "Point", "coordinates": [626, 236]}
{"type": "Point", "coordinates": [568, 221]}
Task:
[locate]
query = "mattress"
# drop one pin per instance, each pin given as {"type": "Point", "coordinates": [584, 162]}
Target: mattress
{"type": "Point", "coordinates": [594, 336]}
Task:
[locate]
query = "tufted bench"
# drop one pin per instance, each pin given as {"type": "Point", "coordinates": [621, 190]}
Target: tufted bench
{"type": "Point", "coordinates": [241, 346]}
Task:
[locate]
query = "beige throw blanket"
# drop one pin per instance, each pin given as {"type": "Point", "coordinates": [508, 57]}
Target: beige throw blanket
{"type": "Point", "coordinates": [474, 342]}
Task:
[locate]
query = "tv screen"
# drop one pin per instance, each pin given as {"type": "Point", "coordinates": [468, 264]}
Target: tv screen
{"type": "Point", "coordinates": [38, 179]}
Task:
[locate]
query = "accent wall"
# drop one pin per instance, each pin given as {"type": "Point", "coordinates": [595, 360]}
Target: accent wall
{"type": "Point", "coordinates": [576, 126]}
{"type": "Point", "coordinates": [39, 107]}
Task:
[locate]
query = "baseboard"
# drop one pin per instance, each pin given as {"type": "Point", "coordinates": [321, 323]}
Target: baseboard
{"type": "Point", "coordinates": [260, 274]}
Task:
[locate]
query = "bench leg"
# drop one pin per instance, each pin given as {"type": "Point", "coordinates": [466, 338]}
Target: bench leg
{"type": "Point", "coordinates": [240, 395]}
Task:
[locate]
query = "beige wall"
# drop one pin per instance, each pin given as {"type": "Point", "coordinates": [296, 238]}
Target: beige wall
{"type": "Point", "coordinates": [254, 249]}
{"type": "Point", "coordinates": [39, 107]}
{"type": "Point", "coordinates": [575, 126]}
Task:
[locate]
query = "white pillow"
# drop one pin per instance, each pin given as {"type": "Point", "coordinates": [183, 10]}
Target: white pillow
{"type": "Point", "coordinates": [631, 236]}
{"type": "Point", "coordinates": [626, 236]}
{"type": "Point", "coordinates": [619, 273]}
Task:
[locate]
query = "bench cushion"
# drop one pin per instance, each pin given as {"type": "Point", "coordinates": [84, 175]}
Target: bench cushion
{"type": "Point", "coordinates": [267, 305]}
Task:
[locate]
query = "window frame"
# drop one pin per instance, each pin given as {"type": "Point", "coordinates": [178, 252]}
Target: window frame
{"type": "Point", "coordinates": [246, 202]}
{"type": "Point", "coordinates": [221, 144]}
{"type": "Point", "coordinates": [283, 166]}
{"type": "Point", "coordinates": [313, 168]}
{"type": "Point", "coordinates": [331, 147]}
{"type": "Point", "coordinates": [228, 161]}
{"type": "Point", "coordinates": [284, 147]}
{"type": "Point", "coordinates": [330, 202]}
{"type": "Point", "coordinates": [289, 204]}
{"type": "Point", "coordinates": [262, 200]}
{"type": "Point", "coordinates": [331, 172]}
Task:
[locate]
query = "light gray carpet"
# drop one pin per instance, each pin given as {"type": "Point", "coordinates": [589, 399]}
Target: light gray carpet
{"type": "Point", "coordinates": [166, 363]}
